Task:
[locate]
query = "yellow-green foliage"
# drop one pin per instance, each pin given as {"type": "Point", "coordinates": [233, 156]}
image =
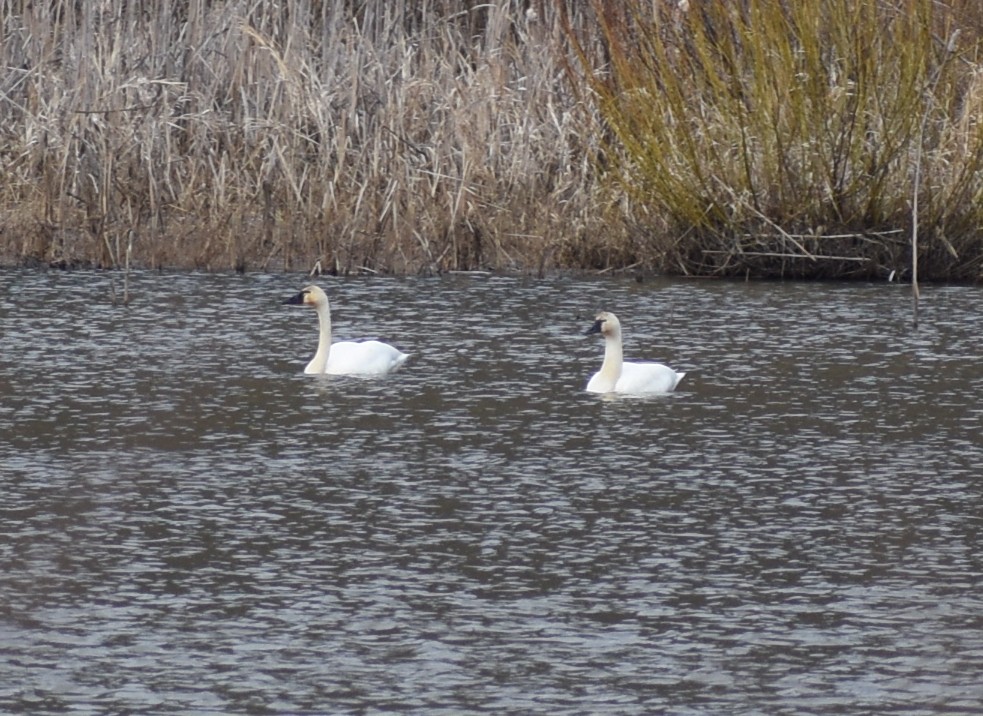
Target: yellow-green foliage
{"type": "Point", "coordinates": [762, 127]}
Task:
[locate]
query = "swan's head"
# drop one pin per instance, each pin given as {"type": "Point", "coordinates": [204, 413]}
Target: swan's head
{"type": "Point", "coordinates": [606, 324]}
{"type": "Point", "coordinates": [309, 296]}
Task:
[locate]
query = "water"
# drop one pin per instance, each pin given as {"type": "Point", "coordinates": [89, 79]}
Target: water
{"type": "Point", "coordinates": [190, 525]}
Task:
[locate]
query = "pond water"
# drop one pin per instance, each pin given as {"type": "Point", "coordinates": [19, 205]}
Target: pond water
{"type": "Point", "coordinates": [191, 525]}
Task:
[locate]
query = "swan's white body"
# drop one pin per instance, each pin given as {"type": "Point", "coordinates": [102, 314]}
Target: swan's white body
{"type": "Point", "coordinates": [345, 357]}
{"type": "Point", "coordinates": [617, 376]}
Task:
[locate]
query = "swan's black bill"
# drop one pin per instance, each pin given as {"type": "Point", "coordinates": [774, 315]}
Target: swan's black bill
{"type": "Point", "coordinates": [296, 300]}
{"type": "Point", "coordinates": [596, 328]}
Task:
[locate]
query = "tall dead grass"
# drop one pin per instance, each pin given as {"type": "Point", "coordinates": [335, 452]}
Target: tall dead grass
{"type": "Point", "coordinates": [796, 138]}
{"type": "Point", "coordinates": [774, 138]}
{"type": "Point", "coordinates": [378, 136]}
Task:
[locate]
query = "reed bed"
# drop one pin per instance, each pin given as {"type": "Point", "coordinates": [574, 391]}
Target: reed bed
{"type": "Point", "coordinates": [373, 136]}
{"type": "Point", "coordinates": [713, 138]}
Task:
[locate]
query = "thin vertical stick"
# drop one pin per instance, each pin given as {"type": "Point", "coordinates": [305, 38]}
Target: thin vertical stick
{"type": "Point", "coordinates": [915, 293]}
{"type": "Point", "coordinates": [126, 270]}
{"type": "Point", "coordinates": [929, 103]}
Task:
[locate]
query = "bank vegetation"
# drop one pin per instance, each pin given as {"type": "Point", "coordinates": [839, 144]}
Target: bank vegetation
{"type": "Point", "coordinates": [748, 138]}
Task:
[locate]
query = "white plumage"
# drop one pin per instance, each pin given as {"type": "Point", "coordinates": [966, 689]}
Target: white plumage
{"type": "Point", "coordinates": [344, 357]}
{"type": "Point", "coordinates": [618, 376]}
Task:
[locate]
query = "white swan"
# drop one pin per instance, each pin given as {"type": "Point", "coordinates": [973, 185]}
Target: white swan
{"type": "Point", "coordinates": [344, 357]}
{"type": "Point", "coordinates": [616, 376]}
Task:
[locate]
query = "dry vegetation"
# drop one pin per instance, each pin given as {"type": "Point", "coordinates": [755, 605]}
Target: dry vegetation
{"type": "Point", "coordinates": [730, 138]}
{"type": "Point", "coordinates": [374, 135]}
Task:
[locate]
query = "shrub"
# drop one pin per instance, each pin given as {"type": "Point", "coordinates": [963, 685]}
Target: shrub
{"type": "Point", "coordinates": [786, 138]}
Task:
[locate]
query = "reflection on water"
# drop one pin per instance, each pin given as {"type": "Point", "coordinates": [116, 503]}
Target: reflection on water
{"type": "Point", "coordinates": [191, 524]}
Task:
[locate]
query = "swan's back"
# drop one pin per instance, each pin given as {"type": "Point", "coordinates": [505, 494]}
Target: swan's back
{"type": "Point", "coordinates": [647, 378]}
{"type": "Point", "coordinates": [363, 358]}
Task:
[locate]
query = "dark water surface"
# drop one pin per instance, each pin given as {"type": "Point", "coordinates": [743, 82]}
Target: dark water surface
{"type": "Point", "coordinates": [190, 525]}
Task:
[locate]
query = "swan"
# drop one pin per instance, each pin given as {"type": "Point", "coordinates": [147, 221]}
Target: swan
{"type": "Point", "coordinates": [344, 357]}
{"type": "Point", "coordinates": [616, 376]}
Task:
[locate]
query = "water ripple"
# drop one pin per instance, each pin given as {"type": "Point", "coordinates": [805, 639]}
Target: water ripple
{"type": "Point", "coordinates": [194, 526]}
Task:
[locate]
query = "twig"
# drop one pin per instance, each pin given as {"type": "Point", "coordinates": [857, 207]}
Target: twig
{"type": "Point", "coordinates": [126, 270]}
{"type": "Point", "coordinates": [861, 235]}
{"type": "Point", "coordinates": [776, 254]}
{"type": "Point", "coordinates": [784, 234]}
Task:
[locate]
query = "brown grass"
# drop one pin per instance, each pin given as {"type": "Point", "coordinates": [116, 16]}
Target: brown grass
{"type": "Point", "coordinates": [751, 137]}
{"type": "Point", "coordinates": [379, 136]}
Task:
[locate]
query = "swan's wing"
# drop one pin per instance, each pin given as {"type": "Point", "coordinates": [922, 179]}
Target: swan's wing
{"type": "Point", "coordinates": [596, 384]}
{"type": "Point", "coordinates": [363, 358]}
{"type": "Point", "coordinates": [647, 378]}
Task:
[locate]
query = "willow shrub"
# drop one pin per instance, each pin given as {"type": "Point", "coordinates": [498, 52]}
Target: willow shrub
{"type": "Point", "coordinates": [770, 138]}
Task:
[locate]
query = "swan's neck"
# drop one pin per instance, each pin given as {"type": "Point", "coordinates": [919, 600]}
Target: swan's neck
{"type": "Point", "coordinates": [613, 359]}
{"type": "Point", "coordinates": [320, 359]}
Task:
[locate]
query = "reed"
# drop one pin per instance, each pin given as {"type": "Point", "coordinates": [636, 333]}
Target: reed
{"type": "Point", "coordinates": [788, 138]}
{"type": "Point", "coordinates": [376, 136]}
